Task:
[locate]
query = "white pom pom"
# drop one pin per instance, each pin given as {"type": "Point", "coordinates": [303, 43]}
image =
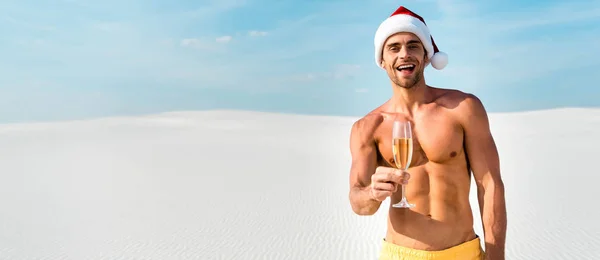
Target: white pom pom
{"type": "Point", "coordinates": [439, 60]}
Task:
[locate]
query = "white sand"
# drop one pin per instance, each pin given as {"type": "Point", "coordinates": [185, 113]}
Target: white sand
{"type": "Point", "coordinates": [246, 185]}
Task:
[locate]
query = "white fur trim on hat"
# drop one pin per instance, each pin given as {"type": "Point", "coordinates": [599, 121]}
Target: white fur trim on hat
{"type": "Point", "coordinates": [407, 23]}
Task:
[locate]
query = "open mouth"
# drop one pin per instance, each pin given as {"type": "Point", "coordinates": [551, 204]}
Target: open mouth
{"type": "Point", "coordinates": [406, 68]}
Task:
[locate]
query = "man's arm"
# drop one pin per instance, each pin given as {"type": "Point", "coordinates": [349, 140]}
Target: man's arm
{"type": "Point", "coordinates": [483, 157]}
{"type": "Point", "coordinates": [364, 163]}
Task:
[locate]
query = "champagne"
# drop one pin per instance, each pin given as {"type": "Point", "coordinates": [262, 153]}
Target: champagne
{"type": "Point", "coordinates": [402, 150]}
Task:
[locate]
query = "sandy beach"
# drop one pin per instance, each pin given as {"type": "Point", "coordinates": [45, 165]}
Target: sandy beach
{"type": "Point", "coordinates": [250, 185]}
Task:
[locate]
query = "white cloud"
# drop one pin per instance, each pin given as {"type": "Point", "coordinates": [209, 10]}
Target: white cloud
{"type": "Point", "coordinates": [204, 44]}
{"type": "Point", "coordinates": [343, 71]}
{"type": "Point", "coordinates": [192, 42]}
{"type": "Point", "coordinates": [257, 33]}
{"type": "Point", "coordinates": [224, 39]}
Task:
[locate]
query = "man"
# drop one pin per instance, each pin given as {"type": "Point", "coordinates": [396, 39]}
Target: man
{"type": "Point", "coordinates": [451, 138]}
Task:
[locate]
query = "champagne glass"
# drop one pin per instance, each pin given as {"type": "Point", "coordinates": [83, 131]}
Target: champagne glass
{"type": "Point", "coordinates": [402, 150]}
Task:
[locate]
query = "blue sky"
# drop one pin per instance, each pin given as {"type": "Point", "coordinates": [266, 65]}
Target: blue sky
{"type": "Point", "coordinates": [72, 59]}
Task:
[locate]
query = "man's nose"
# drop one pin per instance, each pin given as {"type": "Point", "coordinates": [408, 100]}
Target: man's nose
{"type": "Point", "coordinates": [403, 53]}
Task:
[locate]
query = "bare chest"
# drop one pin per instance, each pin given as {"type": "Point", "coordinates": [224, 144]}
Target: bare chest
{"type": "Point", "coordinates": [435, 139]}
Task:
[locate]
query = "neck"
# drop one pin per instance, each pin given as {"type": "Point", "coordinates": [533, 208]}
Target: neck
{"type": "Point", "coordinates": [407, 100]}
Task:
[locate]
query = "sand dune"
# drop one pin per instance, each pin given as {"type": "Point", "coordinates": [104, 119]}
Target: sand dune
{"type": "Point", "coordinates": [248, 185]}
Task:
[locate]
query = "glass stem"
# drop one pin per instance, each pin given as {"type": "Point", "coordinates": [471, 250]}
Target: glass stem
{"type": "Point", "coordinates": [403, 194]}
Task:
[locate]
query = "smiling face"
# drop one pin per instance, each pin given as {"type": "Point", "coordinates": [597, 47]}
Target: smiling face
{"type": "Point", "coordinates": [404, 59]}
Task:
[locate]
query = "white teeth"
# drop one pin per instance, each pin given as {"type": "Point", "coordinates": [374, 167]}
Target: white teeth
{"type": "Point", "coordinates": [405, 66]}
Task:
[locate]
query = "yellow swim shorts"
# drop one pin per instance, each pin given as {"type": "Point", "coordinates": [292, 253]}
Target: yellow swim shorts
{"type": "Point", "coordinates": [470, 250]}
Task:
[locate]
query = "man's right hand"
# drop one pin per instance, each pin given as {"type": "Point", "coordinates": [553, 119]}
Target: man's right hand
{"type": "Point", "coordinates": [385, 182]}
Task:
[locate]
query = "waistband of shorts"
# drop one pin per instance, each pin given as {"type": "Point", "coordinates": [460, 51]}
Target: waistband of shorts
{"type": "Point", "coordinates": [467, 250]}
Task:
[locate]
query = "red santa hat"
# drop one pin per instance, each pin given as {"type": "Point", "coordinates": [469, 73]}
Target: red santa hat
{"type": "Point", "coordinates": [404, 20]}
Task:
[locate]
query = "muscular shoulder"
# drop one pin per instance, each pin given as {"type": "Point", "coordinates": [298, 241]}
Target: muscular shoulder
{"type": "Point", "coordinates": [363, 130]}
{"type": "Point", "coordinates": [464, 106]}
{"type": "Point", "coordinates": [470, 110]}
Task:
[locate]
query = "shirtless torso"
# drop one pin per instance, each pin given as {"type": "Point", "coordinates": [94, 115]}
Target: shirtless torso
{"type": "Point", "coordinates": [439, 181]}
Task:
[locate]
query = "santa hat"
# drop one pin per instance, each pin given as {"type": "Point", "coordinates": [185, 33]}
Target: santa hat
{"type": "Point", "coordinates": [404, 20]}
